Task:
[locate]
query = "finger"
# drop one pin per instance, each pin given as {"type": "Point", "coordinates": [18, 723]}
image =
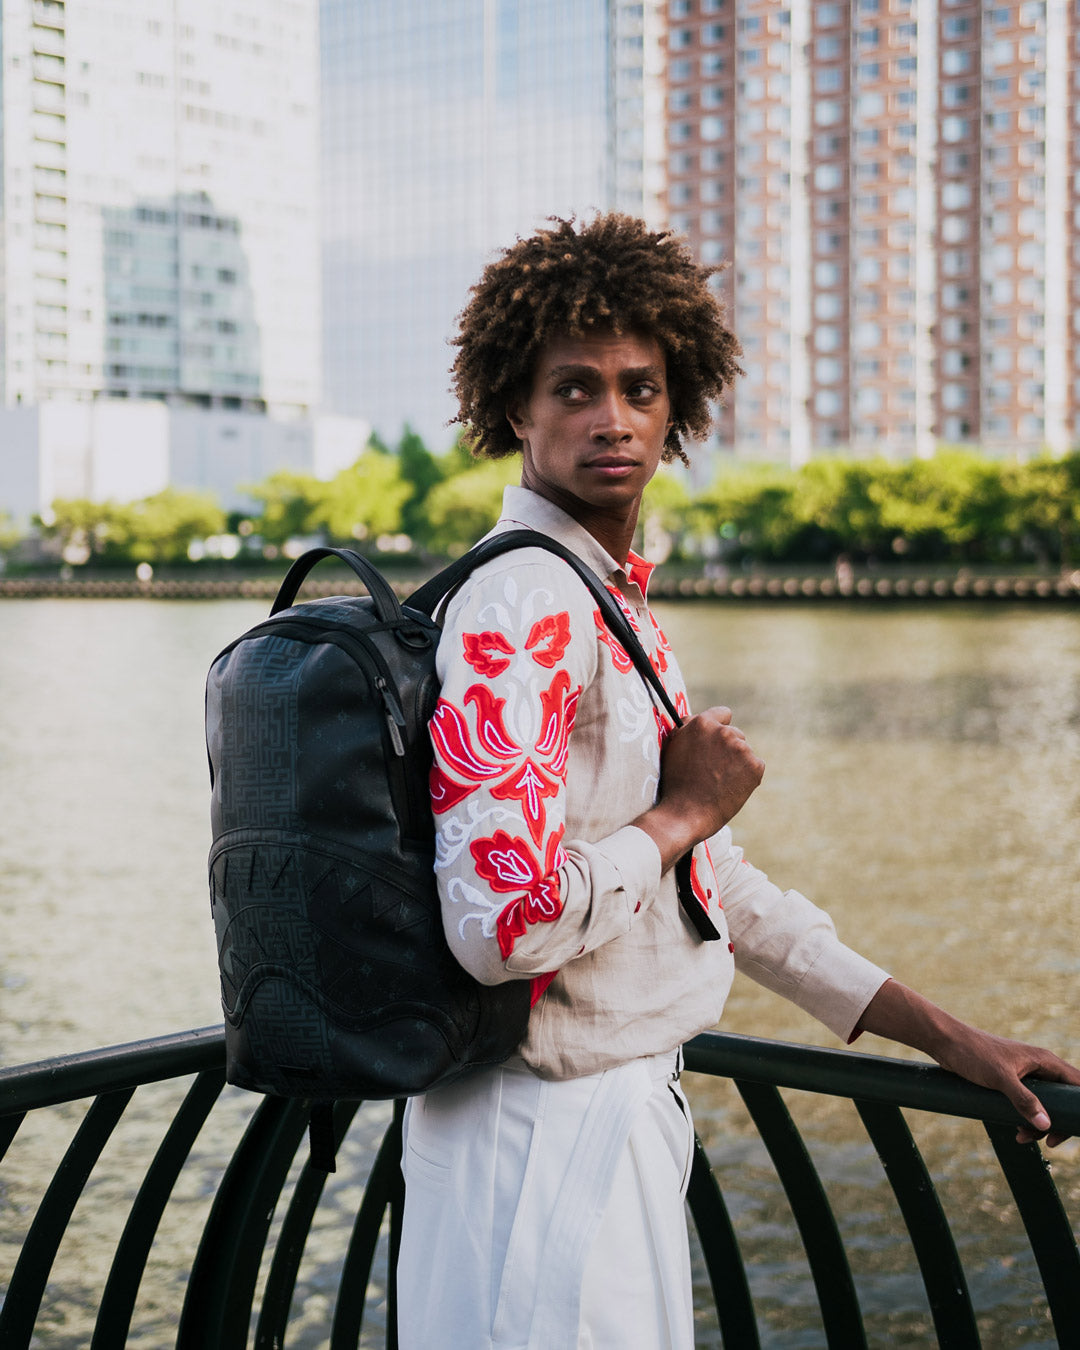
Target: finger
{"type": "Point", "coordinates": [1031, 1109]}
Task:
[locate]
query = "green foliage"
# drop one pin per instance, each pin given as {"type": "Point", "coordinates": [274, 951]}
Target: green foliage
{"type": "Point", "coordinates": [421, 471]}
{"type": "Point", "coordinates": [158, 528]}
{"type": "Point", "coordinates": [462, 508]}
{"type": "Point", "coordinates": [1043, 506]}
{"type": "Point", "coordinates": [362, 501]}
{"type": "Point", "coordinates": [290, 501]}
{"type": "Point", "coordinates": [161, 528]}
{"type": "Point", "coordinates": [957, 506]}
{"type": "Point", "coordinates": [751, 509]}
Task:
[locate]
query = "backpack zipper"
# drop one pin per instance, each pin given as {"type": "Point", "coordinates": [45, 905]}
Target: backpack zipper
{"type": "Point", "coordinates": [367, 655]}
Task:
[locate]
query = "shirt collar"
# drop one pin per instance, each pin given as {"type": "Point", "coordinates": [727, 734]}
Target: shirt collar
{"type": "Point", "coordinates": [522, 506]}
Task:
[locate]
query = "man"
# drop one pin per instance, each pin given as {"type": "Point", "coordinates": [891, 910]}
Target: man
{"type": "Point", "coordinates": [544, 1197]}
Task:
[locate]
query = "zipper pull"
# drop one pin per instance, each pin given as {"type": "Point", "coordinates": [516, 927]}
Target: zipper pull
{"type": "Point", "coordinates": [395, 718]}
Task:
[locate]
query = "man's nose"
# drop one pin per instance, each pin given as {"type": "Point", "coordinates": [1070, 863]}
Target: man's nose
{"type": "Point", "coordinates": [611, 423]}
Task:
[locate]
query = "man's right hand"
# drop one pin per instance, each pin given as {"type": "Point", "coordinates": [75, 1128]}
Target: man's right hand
{"type": "Point", "coordinates": [707, 773]}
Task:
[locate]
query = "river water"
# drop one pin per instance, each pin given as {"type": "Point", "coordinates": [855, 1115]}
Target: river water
{"type": "Point", "coordinates": [922, 782]}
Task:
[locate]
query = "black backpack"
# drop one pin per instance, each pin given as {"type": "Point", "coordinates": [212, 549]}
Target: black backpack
{"type": "Point", "coordinates": [336, 978]}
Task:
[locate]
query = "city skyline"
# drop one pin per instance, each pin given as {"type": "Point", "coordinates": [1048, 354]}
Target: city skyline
{"type": "Point", "coordinates": [261, 215]}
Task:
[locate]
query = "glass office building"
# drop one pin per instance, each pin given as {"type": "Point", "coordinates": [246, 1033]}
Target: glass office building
{"type": "Point", "coordinates": [448, 129]}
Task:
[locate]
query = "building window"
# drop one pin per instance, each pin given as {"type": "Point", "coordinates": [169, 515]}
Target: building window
{"type": "Point", "coordinates": [955, 61]}
{"type": "Point", "coordinates": [954, 229]}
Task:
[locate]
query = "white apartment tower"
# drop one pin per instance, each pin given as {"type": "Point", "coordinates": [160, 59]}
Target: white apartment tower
{"type": "Point", "coordinates": [159, 202]}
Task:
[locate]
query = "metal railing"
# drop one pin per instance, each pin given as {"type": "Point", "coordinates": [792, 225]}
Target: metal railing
{"type": "Point", "coordinates": [254, 1247]}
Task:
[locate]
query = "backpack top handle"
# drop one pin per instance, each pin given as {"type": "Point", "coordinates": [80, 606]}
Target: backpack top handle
{"type": "Point", "coordinates": [386, 602]}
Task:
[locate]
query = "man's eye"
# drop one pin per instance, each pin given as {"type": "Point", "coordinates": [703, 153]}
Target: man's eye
{"type": "Point", "coordinates": [572, 391]}
{"type": "Point", "coordinates": [643, 390]}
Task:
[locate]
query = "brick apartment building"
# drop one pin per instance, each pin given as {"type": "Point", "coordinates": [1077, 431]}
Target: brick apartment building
{"type": "Point", "coordinates": [896, 184]}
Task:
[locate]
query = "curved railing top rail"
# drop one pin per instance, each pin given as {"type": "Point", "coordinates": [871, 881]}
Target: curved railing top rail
{"type": "Point", "coordinates": [843, 1073]}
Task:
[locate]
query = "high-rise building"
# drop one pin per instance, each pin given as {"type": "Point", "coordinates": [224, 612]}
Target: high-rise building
{"type": "Point", "coordinates": [159, 226]}
{"type": "Point", "coordinates": [160, 201]}
{"type": "Point", "coordinates": [895, 185]}
{"type": "Point", "coordinates": [449, 127]}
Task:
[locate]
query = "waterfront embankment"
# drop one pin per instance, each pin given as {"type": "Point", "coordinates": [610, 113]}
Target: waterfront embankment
{"type": "Point", "coordinates": [870, 586]}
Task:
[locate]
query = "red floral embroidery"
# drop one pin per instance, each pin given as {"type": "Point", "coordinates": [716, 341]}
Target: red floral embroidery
{"type": "Point", "coordinates": [527, 778]}
{"type": "Point", "coordinates": [620, 600]}
{"type": "Point", "coordinates": [508, 864]}
{"type": "Point", "coordinates": [618, 653]}
{"type": "Point", "coordinates": [663, 648]}
{"type": "Point", "coordinates": [550, 637]}
{"type": "Point", "coordinates": [702, 892]}
{"type": "Point", "coordinates": [479, 649]}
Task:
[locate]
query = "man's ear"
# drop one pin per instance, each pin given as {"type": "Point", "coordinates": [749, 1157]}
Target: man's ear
{"type": "Point", "coordinates": [514, 417]}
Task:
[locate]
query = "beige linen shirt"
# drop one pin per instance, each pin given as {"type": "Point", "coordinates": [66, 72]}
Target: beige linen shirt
{"type": "Point", "coordinates": [547, 743]}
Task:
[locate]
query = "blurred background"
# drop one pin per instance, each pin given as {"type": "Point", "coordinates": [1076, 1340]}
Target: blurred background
{"type": "Point", "coordinates": [235, 237]}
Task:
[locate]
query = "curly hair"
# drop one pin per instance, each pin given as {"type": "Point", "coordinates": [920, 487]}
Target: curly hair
{"type": "Point", "coordinates": [611, 273]}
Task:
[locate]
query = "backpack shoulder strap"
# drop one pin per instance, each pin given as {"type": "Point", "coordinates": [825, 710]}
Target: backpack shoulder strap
{"type": "Point", "coordinates": [427, 598]}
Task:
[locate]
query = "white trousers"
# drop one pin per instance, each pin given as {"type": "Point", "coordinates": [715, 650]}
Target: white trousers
{"type": "Point", "coordinates": [548, 1216]}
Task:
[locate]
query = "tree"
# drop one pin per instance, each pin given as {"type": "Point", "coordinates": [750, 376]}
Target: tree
{"type": "Point", "coordinates": [363, 500]}
{"type": "Point", "coordinates": [462, 508]}
{"type": "Point", "coordinates": [421, 471]}
{"type": "Point", "coordinates": [290, 501]}
{"type": "Point", "coordinates": [161, 528]}
{"type": "Point", "coordinates": [84, 529]}
{"type": "Point", "coordinates": [1043, 507]}
{"type": "Point", "coordinates": [751, 508]}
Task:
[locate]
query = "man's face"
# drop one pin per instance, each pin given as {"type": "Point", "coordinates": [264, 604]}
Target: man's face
{"type": "Point", "coordinates": [593, 425]}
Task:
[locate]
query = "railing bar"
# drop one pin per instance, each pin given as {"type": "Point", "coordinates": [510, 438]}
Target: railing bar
{"type": "Point", "coordinates": [20, 1307]}
{"type": "Point", "coordinates": [70, 1078]}
{"type": "Point", "coordinates": [221, 1288]}
{"type": "Point", "coordinates": [122, 1286]}
{"type": "Point", "coordinates": [1048, 1228]}
{"type": "Point", "coordinates": [385, 1187]}
{"type": "Point", "coordinates": [289, 1249]}
{"type": "Point", "coordinates": [723, 1259]}
{"type": "Point", "coordinates": [397, 1213]}
{"type": "Point", "coordinates": [821, 1239]}
{"type": "Point", "coordinates": [9, 1128]}
{"type": "Point", "coordinates": [871, 1078]}
{"type": "Point", "coordinates": [931, 1237]}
